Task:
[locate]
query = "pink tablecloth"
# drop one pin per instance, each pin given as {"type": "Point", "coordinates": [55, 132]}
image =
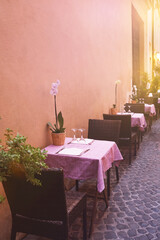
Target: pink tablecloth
{"type": "Point", "coordinates": [150, 108]}
{"type": "Point", "coordinates": [138, 120]}
{"type": "Point", "coordinates": [91, 164]}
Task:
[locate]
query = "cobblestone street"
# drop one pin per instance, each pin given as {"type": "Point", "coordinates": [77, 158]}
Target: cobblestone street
{"type": "Point", "coordinates": [134, 205]}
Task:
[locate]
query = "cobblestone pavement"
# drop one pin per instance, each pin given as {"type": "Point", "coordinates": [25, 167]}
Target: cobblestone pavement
{"type": "Point", "coordinates": [134, 205]}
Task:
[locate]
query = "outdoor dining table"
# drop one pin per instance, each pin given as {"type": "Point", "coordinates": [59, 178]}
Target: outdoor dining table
{"type": "Point", "coordinates": [82, 161]}
{"type": "Point", "coordinates": [150, 109]}
{"type": "Point", "coordinates": [137, 120]}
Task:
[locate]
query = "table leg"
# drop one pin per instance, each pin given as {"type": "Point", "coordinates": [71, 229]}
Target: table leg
{"type": "Point", "coordinates": [105, 197]}
{"type": "Point", "coordinates": [77, 186]}
{"type": "Point", "coordinates": [108, 183]}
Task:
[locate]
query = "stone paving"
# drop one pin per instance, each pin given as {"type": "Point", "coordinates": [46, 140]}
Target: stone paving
{"type": "Point", "coordinates": [134, 205]}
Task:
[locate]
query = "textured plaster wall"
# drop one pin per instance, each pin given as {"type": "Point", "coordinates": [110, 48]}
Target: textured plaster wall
{"type": "Point", "coordinates": [85, 44]}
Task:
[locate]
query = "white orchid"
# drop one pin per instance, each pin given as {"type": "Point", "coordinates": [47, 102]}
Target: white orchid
{"type": "Point", "coordinates": [116, 83]}
{"type": "Point", "coordinates": [58, 127]}
{"type": "Point", "coordinates": [54, 89]}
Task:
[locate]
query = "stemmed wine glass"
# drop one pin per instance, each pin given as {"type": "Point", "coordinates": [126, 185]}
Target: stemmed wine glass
{"type": "Point", "coordinates": [129, 108]}
{"type": "Point", "coordinates": [81, 130]}
{"type": "Point", "coordinates": [124, 108]}
{"type": "Point", "coordinates": [74, 136]}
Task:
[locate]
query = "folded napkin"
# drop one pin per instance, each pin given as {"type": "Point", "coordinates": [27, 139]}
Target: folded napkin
{"type": "Point", "coordinates": [72, 151]}
{"type": "Point", "coordinates": [126, 113]}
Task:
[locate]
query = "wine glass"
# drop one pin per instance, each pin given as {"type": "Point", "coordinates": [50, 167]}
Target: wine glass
{"type": "Point", "coordinates": [81, 130]}
{"type": "Point", "coordinates": [74, 136]}
{"type": "Point", "coordinates": [124, 106]}
{"type": "Point", "coordinates": [129, 108]}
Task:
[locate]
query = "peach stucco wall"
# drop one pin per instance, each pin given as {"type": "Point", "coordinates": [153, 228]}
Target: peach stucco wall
{"type": "Point", "coordinates": [85, 44]}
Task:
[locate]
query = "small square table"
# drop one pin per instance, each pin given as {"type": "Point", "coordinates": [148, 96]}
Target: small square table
{"type": "Point", "coordinates": [96, 158]}
{"type": "Point", "coordinates": [138, 120]}
{"type": "Point", "coordinates": [94, 161]}
{"type": "Point", "coordinates": [150, 109]}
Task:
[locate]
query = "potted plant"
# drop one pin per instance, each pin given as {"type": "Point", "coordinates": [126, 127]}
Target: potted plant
{"type": "Point", "coordinates": [134, 94]}
{"type": "Point", "coordinates": [144, 86]}
{"type": "Point", "coordinates": [20, 159]}
{"type": "Point", "coordinates": [57, 130]}
{"type": "Point", "coordinates": [114, 108]}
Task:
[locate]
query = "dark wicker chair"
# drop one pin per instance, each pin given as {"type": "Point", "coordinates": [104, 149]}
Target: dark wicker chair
{"type": "Point", "coordinates": [135, 107]}
{"type": "Point", "coordinates": [148, 100]}
{"type": "Point", "coordinates": [44, 210]}
{"type": "Point", "coordinates": [157, 106]}
{"type": "Point", "coordinates": [105, 130]}
{"type": "Point", "coordinates": [126, 137]}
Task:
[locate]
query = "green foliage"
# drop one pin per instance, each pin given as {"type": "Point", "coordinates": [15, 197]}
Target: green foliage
{"type": "Point", "coordinates": [143, 90]}
{"type": "Point", "coordinates": [59, 127]}
{"type": "Point", "coordinates": [2, 199]}
{"type": "Point", "coordinates": [17, 154]}
{"type": "Point", "coordinates": [155, 84]}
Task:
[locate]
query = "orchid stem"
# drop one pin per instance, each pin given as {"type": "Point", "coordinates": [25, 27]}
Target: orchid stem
{"type": "Point", "coordinates": [55, 110]}
{"type": "Point", "coordinates": [116, 95]}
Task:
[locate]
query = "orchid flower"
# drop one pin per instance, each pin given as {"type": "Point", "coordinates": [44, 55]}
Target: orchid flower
{"type": "Point", "coordinates": [116, 83]}
{"type": "Point", "coordinates": [58, 127]}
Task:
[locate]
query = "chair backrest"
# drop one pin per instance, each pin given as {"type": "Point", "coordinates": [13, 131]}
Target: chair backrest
{"type": "Point", "coordinates": [45, 202]}
{"type": "Point", "coordinates": [125, 129]}
{"type": "Point", "coordinates": [148, 100]}
{"type": "Point", "coordinates": [155, 100]}
{"type": "Point", "coordinates": [104, 129]}
{"type": "Point", "coordinates": [135, 107]}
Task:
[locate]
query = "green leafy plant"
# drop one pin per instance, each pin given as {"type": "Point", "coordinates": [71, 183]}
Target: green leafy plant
{"type": "Point", "coordinates": [134, 93]}
{"type": "Point", "coordinates": [58, 126]}
{"type": "Point", "coordinates": [18, 156]}
{"type": "Point", "coordinates": [2, 199]}
{"type": "Point", "coordinates": [155, 84]}
{"type": "Point", "coordinates": [143, 88]}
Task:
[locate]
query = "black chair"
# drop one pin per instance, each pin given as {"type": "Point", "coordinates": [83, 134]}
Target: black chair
{"type": "Point", "coordinates": [135, 107]}
{"type": "Point", "coordinates": [105, 130]}
{"type": "Point", "coordinates": [148, 100]}
{"type": "Point", "coordinates": [157, 106]}
{"type": "Point", "coordinates": [102, 130]}
{"type": "Point", "coordinates": [44, 210]}
{"type": "Point", "coordinates": [126, 137]}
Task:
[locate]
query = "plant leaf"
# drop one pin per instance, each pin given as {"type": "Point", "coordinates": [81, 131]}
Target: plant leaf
{"type": "Point", "coordinates": [60, 120]}
{"type": "Point", "coordinates": [50, 125]}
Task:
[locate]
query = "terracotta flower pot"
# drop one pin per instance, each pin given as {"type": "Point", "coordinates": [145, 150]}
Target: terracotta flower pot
{"type": "Point", "coordinates": [58, 139]}
{"type": "Point", "coordinates": [114, 111]}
